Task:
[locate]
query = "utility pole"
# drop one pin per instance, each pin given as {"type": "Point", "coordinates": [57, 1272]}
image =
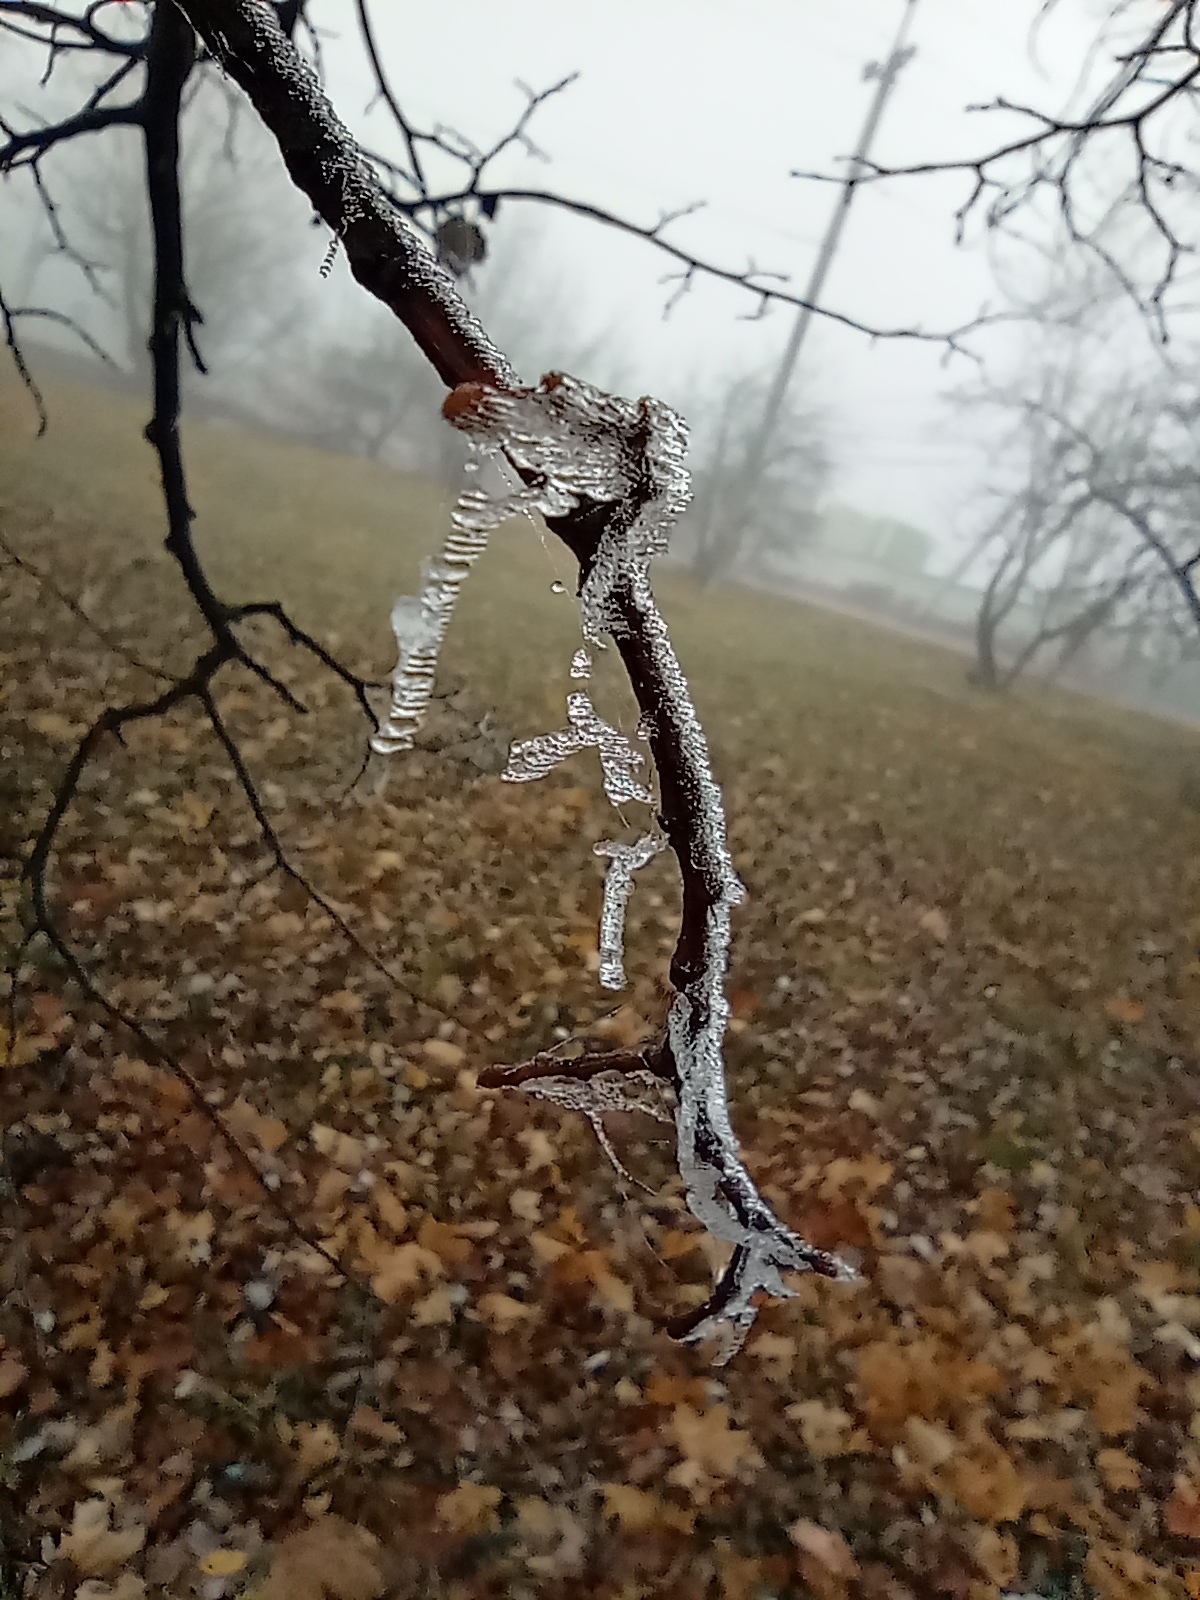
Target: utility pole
{"type": "Point", "coordinates": [886, 75]}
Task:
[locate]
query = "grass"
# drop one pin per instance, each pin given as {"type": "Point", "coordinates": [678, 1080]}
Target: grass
{"type": "Point", "coordinates": [971, 946]}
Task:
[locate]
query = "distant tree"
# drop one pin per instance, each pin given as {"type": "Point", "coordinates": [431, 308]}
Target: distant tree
{"type": "Point", "coordinates": [365, 389]}
{"type": "Point", "coordinates": [244, 229]}
{"type": "Point", "coordinates": [736, 525]}
{"type": "Point", "coordinates": [1094, 528]}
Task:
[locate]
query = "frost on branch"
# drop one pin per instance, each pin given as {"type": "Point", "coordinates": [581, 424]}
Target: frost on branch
{"type": "Point", "coordinates": [624, 861]}
{"type": "Point", "coordinates": [581, 451]}
{"type": "Point", "coordinates": [530, 759]}
{"type": "Point", "coordinates": [598, 1087]}
{"type": "Point", "coordinates": [582, 446]}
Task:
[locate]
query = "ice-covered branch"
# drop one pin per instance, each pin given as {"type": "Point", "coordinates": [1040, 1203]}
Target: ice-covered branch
{"type": "Point", "coordinates": [610, 473]}
{"type": "Point", "coordinates": [530, 759]}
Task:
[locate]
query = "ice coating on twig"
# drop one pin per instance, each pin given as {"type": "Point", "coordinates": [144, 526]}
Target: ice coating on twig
{"type": "Point", "coordinates": [721, 1193]}
{"type": "Point", "coordinates": [585, 445]}
{"type": "Point", "coordinates": [605, 1094]}
{"type": "Point", "coordinates": [624, 861]}
{"type": "Point", "coordinates": [585, 448]}
{"type": "Point", "coordinates": [530, 759]}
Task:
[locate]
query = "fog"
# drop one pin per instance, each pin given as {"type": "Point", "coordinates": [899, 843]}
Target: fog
{"type": "Point", "coordinates": [680, 103]}
{"type": "Point", "coordinates": [896, 440]}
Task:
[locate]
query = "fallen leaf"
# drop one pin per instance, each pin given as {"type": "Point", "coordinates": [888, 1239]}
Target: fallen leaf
{"type": "Point", "coordinates": [95, 1548]}
{"type": "Point", "coordinates": [1118, 1470]}
{"type": "Point", "coordinates": [826, 1547]}
{"type": "Point", "coordinates": [13, 1374]}
{"type": "Point", "coordinates": [470, 1509]}
{"type": "Point", "coordinates": [639, 1511]}
{"type": "Point", "coordinates": [1126, 1012]}
{"type": "Point", "coordinates": [444, 1054]}
{"type": "Point", "coordinates": [503, 1312]}
{"type": "Point", "coordinates": [1181, 1514]}
{"type": "Point", "coordinates": [405, 1267]}
{"type": "Point", "coordinates": [827, 1431]}
{"type": "Point", "coordinates": [331, 1560]}
{"type": "Point", "coordinates": [223, 1563]}
{"type": "Point", "coordinates": [707, 1439]}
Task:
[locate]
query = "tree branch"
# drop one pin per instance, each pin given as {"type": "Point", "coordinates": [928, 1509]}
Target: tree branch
{"type": "Point", "coordinates": [387, 258]}
{"type": "Point", "coordinates": [36, 141]}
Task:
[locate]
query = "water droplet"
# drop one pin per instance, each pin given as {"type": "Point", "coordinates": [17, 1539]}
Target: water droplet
{"type": "Point", "coordinates": [558, 587]}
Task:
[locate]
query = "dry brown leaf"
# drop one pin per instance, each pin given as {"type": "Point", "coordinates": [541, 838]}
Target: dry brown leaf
{"type": "Point", "coordinates": [93, 1546]}
{"type": "Point", "coordinates": [436, 1309]}
{"type": "Point", "coordinates": [368, 1424]}
{"type": "Point", "coordinates": [998, 1557]}
{"type": "Point", "coordinates": [314, 1446]}
{"type": "Point", "coordinates": [526, 1205]}
{"type": "Point", "coordinates": [331, 1560]}
{"type": "Point", "coordinates": [403, 1269]}
{"type": "Point", "coordinates": [503, 1312]}
{"type": "Point", "coordinates": [639, 1511]}
{"type": "Point", "coordinates": [1118, 1470]}
{"type": "Point", "coordinates": [253, 1126]}
{"type": "Point", "coordinates": [1181, 1514]}
{"type": "Point", "coordinates": [339, 1148]}
{"type": "Point", "coordinates": [451, 1245]}
{"type": "Point", "coordinates": [928, 1445]}
{"type": "Point", "coordinates": [540, 1152]}
{"type": "Point", "coordinates": [827, 1431]}
{"type": "Point", "coordinates": [13, 1374]}
{"type": "Point", "coordinates": [390, 1209]}
{"type": "Point", "coordinates": [471, 1508]}
{"type": "Point", "coordinates": [989, 1485]}
{"type": "Point", "coordinates": [708, 1439]}
{"type": "Point", "coordinates": [825, 1546]}
{"type": "Point", "coordinates": [444, 1054]}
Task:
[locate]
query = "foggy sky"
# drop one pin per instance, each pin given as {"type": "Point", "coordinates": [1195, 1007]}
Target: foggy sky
{"type": "Point", "coordinates": [681, 101]}
{"type": "Point", "coordinates": [685, 100]}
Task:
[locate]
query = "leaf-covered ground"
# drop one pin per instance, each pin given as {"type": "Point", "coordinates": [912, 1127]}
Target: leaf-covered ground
{"type": "Point", "coordinates": [405, 1338]}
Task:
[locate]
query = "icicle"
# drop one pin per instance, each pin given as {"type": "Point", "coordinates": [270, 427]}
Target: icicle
{"type": "Point", "coordinates": [530, 759]}
{"type": "Point", "coordinates": [624, 861]}
{"type": "Point", "coordinates": [583, 446]}
{"type": "Point", "coordinates": [420, 621]}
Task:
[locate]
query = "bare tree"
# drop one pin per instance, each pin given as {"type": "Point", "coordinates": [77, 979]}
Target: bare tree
{"type": "Point", "coordinates": [1119, 174]}
{"type": "Point", "coordinates": [735, 526]}
{"type": "Point", "coordinates": [1093, 528]}
{"type": "Point", "coordinates": [366, 391]}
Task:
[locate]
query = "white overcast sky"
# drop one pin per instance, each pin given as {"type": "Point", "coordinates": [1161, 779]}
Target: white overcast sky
{"type": "Point", "coordinates": [686, 100]}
